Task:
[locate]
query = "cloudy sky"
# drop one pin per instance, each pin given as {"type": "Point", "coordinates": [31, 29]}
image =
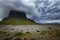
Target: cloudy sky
{"type": "Point", "coordinates": [41, 11]}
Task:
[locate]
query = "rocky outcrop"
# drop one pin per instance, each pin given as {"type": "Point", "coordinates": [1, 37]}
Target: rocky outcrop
{"type": "Point", "coordinates": [17, 14]}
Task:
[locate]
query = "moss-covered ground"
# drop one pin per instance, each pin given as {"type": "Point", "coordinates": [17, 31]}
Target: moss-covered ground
{"type": "Point", "coordinates": [47, 35]}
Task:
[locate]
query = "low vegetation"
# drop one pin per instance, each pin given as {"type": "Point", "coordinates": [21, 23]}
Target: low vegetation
{"type": "Point", "coordinates": [40, 35]}
{"type": "Point", "coordinates": [16, 21]}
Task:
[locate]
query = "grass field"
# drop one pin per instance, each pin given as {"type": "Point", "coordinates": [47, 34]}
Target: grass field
{"type": "Point", "coordinates": [30, 32]}
{"type": "Point", "coordinates": [16, 21]}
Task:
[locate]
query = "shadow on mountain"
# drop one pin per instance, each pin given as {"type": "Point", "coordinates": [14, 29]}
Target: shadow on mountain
{"type": "Point", "coordinates": [16, 14]}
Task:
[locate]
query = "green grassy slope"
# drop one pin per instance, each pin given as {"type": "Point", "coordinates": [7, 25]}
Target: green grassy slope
{"type": "Point", "coordinates": [16, 21]}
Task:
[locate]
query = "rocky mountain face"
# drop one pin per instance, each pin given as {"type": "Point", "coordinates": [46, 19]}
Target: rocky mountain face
{"type": "Point", "coordinates": [16, 14]}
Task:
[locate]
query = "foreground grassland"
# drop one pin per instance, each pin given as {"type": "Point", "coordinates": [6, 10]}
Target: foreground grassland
{"type": "Point", "coordinates": [16, 21]}
{"type": "Point", "coordinates": [52, 33]}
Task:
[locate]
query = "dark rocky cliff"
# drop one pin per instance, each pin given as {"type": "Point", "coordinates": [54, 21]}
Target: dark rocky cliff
{"type": "Point", "coordinates": [17, 14]}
